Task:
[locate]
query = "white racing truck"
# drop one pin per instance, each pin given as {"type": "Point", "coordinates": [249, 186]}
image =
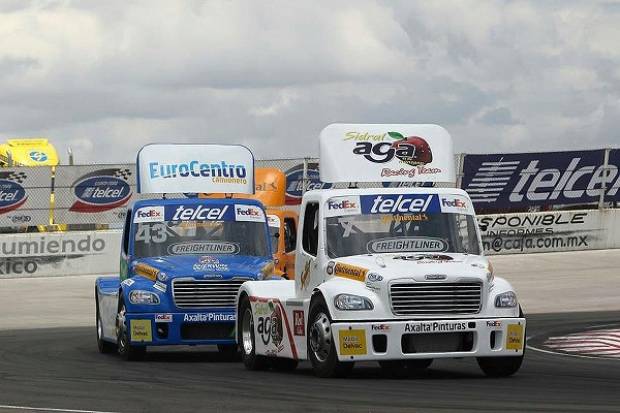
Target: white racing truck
{"type": "Point", "coordinates": [392, 274]}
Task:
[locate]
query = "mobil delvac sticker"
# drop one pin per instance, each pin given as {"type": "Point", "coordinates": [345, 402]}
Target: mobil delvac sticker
{"type": "Point", "coordinates": [101, 190]}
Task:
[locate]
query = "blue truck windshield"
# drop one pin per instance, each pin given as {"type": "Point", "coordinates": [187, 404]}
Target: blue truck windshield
{"type": "Point", "coordinates": [166, 238]}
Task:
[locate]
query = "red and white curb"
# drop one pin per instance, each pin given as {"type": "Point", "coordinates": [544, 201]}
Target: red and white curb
{"type": "Point", "coordinates": [594, 343]}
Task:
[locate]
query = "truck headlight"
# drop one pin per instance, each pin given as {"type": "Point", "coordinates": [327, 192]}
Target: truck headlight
{"type": "Point", "coordinates": [143, 297]}
{"type": "Point", "coordinates": [506, 300]}
{"type": "Point", "coordinates": [352, 302]}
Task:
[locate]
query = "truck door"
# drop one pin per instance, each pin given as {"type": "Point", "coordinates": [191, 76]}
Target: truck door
{"type": "Point", "coordinates": [125, 257]}
{"type": "Point", "coordinates": [306, 262]}
{"type": "Point", "coordinates": [290, 241]}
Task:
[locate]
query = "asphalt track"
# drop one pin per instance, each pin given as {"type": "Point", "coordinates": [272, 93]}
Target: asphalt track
{"type": "Point", "coordinates": [60, 368]}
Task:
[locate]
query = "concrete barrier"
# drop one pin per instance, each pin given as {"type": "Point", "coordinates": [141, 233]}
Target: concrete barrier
{"type": "Point", "coordinates": [59, 253]}
{"type": "Point", "coordinates": [556, 231]}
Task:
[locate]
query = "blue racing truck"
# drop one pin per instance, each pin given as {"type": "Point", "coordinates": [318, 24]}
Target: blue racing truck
{"type": "Point", "coordinates": [183, 260]}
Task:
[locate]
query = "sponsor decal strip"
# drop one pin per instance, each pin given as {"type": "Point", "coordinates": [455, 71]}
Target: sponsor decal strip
{"type": "Point", "coordinates": [286, 323]}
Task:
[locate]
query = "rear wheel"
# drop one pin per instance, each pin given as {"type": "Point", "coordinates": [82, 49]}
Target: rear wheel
{"type": "Point", "coordinates": [321, 347]}
{"type": "Point", "coordinates": [105, 347]}
{"type": "Point", "coordinates": [404, 368]}
{"type": "Point", "coordinates": [246, 338]}
{"type": "Point", "coordinates": [125, 349]}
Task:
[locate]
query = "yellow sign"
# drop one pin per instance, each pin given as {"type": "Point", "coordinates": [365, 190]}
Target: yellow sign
{"type": "Point", "coordinates": [146, 271]}
{"type": "Point", "coordinates": [141, 330]}
{"type": "Point", "coordinates": [352, 342]}
{"type": "Point", "coordinates": [514, 337]}
{"type": "Point", "coordinates": [350, 271]}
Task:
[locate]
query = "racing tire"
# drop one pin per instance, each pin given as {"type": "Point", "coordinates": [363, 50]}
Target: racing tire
{"type": "Point", "coordinates": [228, 352]}
{"type": "Point", "coordinates": [105, 347]}
{"type": "Point", "coordinates": [247, 339]}
{"type": "Point", "coordinates": [126, 350]}
{"type": "Point", "coordinates": [321, 347]}
{"type": "Point", "coordinates": [400, 369]}
{"type": "Point", "coordinates": [283, 364]}
{"type": "Point", "coordinates": [502, 366]}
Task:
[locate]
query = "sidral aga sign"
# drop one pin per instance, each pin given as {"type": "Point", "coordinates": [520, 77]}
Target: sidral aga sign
{"type": "Point", "coordinates": [518, 180]}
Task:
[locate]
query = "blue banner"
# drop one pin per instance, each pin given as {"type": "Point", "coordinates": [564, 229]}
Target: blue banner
{"type": "Point", "coordinates": [399, 204]}
{"type": "Point", "coordinates": [520, 180]}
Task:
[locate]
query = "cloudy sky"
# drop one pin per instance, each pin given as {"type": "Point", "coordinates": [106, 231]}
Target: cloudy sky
{"type": "Point", "coordinates": [107, 77]}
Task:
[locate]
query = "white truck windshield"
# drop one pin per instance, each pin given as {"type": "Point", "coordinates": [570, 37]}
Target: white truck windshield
{"type": "Point", "coordinates": [378, 224]}
{"type": "Point", "coordinates": [156, 239]}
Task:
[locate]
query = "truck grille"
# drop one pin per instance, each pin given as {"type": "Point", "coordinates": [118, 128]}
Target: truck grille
{"type": "Point", "coordinates": [205, 293]}
{"type": "Point", "coordinates": [411, 298]}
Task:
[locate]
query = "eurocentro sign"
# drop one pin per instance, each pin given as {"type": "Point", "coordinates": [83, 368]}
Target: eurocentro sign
{"type": "Point", "coordinates": [175, 168]}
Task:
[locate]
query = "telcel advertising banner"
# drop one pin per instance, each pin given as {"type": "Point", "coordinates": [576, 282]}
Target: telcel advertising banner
{"type": "Point", "coordinates": [386, 153]}
{"type": "Point", "coordinates": [520, 180]}
{"type": "Point", "coordinates": [173, 168]}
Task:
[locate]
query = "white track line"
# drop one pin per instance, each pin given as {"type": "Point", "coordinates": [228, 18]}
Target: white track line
{"type": "Point", "coordinates": [49, 409]}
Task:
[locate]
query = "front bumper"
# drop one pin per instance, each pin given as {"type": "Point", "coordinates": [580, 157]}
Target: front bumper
{"type": "Point", "coordinates": [191, 328]}
{"type": "Point", "coordinates": [429, 339]}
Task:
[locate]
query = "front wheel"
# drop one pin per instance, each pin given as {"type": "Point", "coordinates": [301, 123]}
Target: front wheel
{"type": "Point", "coordinates": [246, 338]}
{"type": "Point", "coordinates": [500, 366]}
{"type": "Point", "coordinates": [321, 347]}
{"type": "Point", "coordinates": [125, 349]}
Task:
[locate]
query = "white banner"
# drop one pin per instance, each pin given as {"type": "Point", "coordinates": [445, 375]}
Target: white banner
{"type": "Point", "coordinates": [526, 233]}
{"type": "Point", "coordinates": [25, 196]}
{"type": "Point", "coordinates": [93, 194]}
{"type": "Point", "coordinates": [170, 168]}
{"type": "Point", "coordinates": [386, 153]}
{"type": "Point", "coordinates": [59, 253]}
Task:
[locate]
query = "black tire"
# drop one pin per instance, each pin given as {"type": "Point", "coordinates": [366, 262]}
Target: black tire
{"type": "Point", "coordinates": [502, 366]}
{"type": "Point", "coordinates": [283, 364]}
{"type": "Point", "coordinates": [247, 339]}
{"type": "Point", "coordinates": [322, 353]}
{"type": "Point", "coordinates": [105, 347]}
{"type": "Point", "coordinates": [400, 369]}
{"type": "Point", "coordinates": [126, 350]}
{"type": "Point", "coordinates": [229, 352]}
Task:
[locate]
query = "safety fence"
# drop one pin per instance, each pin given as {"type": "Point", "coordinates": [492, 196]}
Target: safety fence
{"type": "Point", "coordinates": [90, 195]}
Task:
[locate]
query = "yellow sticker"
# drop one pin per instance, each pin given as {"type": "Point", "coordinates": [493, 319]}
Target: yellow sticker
{"type": "Point", "coordinates": [514, 337]}
{"type": "Point", "coordinates": [141, 330]}
{"type": "Point", "coordinates": [350, 271]}
{"type": "Point", "coordinates": [352, 342]}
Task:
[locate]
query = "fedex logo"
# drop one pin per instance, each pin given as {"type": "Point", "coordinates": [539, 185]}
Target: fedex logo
{"type": "Point", "coordinates": [149, 214]}
{"type": "Point", "coordinates": [454, 203]}
{"type": "Point", "coordinates": [343, 205]}
{"type": "Point", "coordinates": [249, 213]}
{"type": "Point", "coordinates": [346, 204]}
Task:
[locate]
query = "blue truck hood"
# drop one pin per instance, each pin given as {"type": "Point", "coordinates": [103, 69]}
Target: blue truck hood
{"type": "Point", "coordinates": [207, 267]}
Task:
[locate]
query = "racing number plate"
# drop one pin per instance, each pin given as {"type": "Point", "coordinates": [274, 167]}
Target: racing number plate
{"type": "Point", "coordinates": [514, 337]}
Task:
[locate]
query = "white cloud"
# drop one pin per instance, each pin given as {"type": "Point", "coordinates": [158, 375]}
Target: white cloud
{"type": "Point", "coordinates": [108, 77]}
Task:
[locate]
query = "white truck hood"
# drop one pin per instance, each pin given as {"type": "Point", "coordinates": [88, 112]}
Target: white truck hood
{"type": "Point", "coordinates": [422, 267]}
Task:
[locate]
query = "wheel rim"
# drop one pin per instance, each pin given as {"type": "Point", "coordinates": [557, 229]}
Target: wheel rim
{"type": "Point", "coordinates": [247, 331]}
{"type": "Point", "coordinates": [120, 329]}
{"type": "Point", "coordinates": [99, 328]}
{"type": "Point", "coordinates": [321, 337]}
